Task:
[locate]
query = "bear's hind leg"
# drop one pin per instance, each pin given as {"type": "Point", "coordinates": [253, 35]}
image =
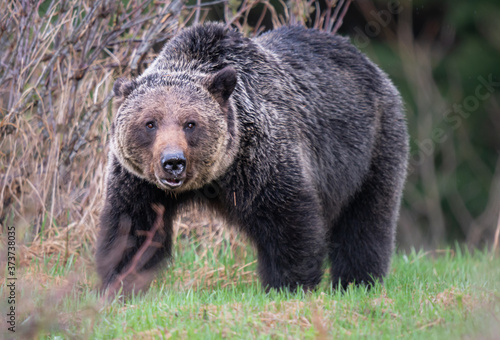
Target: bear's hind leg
{"type": "Point", "coordinates": [361, 239]}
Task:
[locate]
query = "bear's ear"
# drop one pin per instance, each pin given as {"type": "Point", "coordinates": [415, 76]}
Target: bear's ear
{"type": "Point", "coordinates": [222, 84]}
{"type": "Point", "coordinates": [122, 89]}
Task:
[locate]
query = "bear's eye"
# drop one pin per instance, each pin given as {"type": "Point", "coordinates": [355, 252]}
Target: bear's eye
{"type": "Point", "coordinates": [190, 125]}
{"type": "Point", "coordinates": [150, 125]}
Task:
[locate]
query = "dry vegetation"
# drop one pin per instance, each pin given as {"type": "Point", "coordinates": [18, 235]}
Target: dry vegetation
{"type": "Point", "coordinates": [58, 64]}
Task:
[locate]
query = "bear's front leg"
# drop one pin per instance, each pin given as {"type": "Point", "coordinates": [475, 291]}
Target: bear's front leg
{"type": "Point", "coordinates": [135, 231]}
{"type": "Point", "coordinates": [291, 245]}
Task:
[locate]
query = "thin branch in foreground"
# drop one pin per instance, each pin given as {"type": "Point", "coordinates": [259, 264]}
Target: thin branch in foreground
{"type": "Point", "coordinates": [133, 268]}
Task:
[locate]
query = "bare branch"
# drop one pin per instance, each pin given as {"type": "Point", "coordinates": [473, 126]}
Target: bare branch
{"type": "Point", "coordinates": [339, 20]}
{"type": "Point", "coordinates": [134, 267]}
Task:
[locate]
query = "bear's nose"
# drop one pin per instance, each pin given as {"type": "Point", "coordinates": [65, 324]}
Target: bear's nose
{"type": "Point", "coordinates": [173, 163]}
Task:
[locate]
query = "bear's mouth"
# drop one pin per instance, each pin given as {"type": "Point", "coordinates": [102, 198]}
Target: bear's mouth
{"type": "Point", "coordinates": [172, 183]}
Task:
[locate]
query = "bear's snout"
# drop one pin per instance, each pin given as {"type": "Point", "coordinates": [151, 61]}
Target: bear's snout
{"type": "Point", "coordinates": [174, 163]}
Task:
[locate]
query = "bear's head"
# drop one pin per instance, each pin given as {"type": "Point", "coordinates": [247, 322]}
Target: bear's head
{"type": "Point", "coordinates": [174, 131]}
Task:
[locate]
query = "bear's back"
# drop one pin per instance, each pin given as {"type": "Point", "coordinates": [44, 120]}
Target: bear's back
{"type": "Point", "coordinates": [322, 54]}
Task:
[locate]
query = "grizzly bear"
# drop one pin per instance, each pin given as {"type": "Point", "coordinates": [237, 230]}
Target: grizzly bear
{"type": "Point", "coordinates": [293, 137]}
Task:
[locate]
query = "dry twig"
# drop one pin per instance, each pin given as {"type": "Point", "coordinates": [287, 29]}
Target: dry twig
{"type": "Point", "coordinates": [131, 278]}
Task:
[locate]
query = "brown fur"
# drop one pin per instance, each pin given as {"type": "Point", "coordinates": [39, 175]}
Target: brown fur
{"type": "Point", "coordinates": [299, 141]}
{"type": "Point", "coordinates": [171, 109]}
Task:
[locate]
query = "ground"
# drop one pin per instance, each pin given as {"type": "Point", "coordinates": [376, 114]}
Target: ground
{"type": "Point", "coordinates": [213, 292]}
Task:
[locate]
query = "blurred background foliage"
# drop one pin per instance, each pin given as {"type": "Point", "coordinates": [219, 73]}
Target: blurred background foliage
{"type": "Point", "coordinates": [58, 61]}
{"type": "Point", "coordinates": [438, 54]}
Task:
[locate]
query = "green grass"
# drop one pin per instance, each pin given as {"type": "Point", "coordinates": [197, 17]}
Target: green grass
{"type": "Point", "coordinates": [440, 295]}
